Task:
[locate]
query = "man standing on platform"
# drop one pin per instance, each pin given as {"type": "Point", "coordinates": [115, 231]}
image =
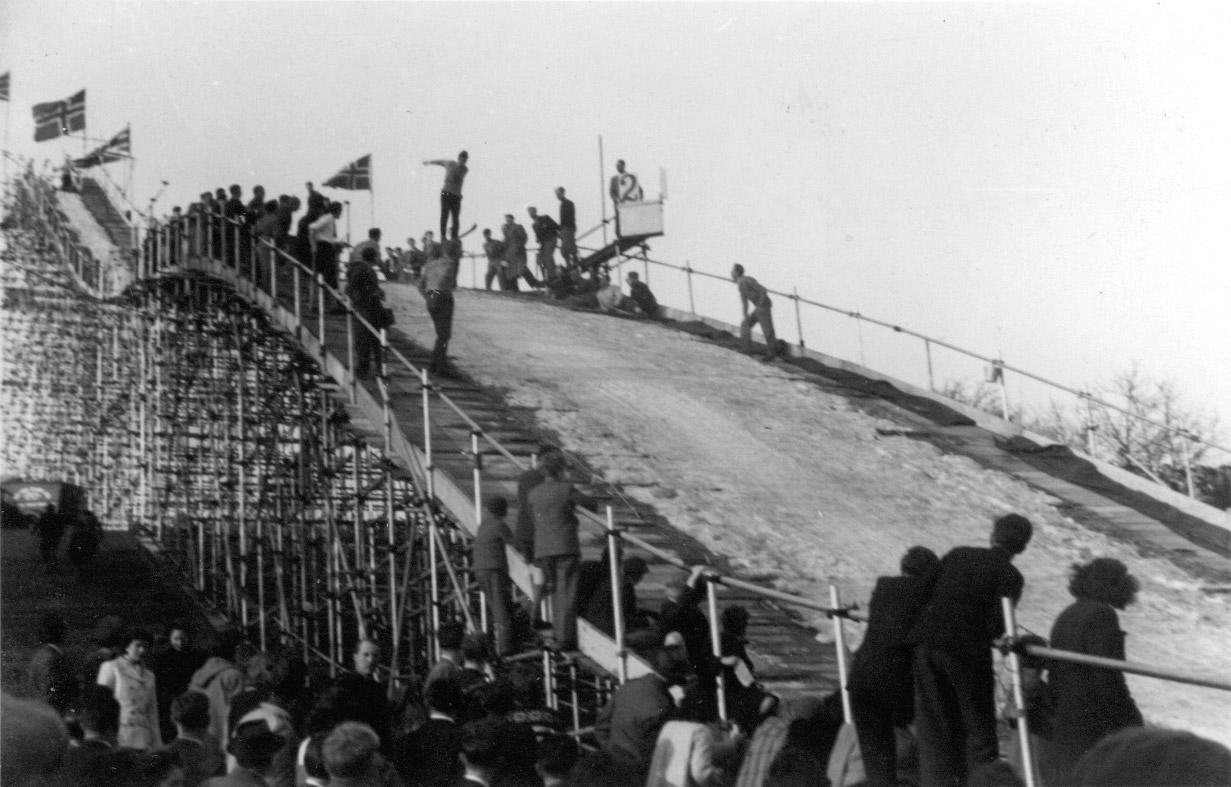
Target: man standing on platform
{"type": "Point", "coordinates": [324, 234]}
{"type": "Point", "coordinates": [437, 284]}
{"type": "Point", "coordinates": [955, 683]}
{"type": "Point", "coordinates": [491, 569]}
{"type": "Point", "coordinates": [451, 191]}
{"type": "Point", "coordinates": [546, 231]}
{"type": "Point", "coordinates": [515, 254]}
{"type": "Point", "coordinates": [568, 229]}
{"type": "Point", "coordinates": [751, 291]}
{"type": "Point", "coordinates": [557, 546]}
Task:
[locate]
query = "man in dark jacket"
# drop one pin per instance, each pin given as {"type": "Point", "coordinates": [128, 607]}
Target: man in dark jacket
{"type": "Point", "coordinates": [639, 291]}
{"type": "Point", "coordinates": [546, 232]}
{"type": "Point", "coordinates": [881, 681]}
{"type": "Point", "coordinates": [557, 546]}
{"type": "Point", "coordinates": [363, 289]}
{"type": "Point", "coordinates": [628, 725]}
{"type": "Point", "coordinates": [952, 639]}
{"type": "Point", "coordinates": [49, 671]}
{"type": "Point", "coordinates": [491, 570]}
{"type": "Point", "coordinates": [428, 757]}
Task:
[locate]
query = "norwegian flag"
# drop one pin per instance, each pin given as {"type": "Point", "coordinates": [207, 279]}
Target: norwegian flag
{"type": "Point", "coordinates": [118, 148]}
{"type": "Point", "coordinates": [4, 86]}
{"type": "Point", "coordinates": [355, 176]}
{"type": "Point", "coordinates": [53, 118]}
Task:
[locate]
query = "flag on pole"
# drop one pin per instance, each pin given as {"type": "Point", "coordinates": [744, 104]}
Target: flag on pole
{"type": "Point", "coordinates": [118, 148]}
{"type": "Point", "coordinates": [355, 176]}
{"type": "Point", "coordinates": [53, 118]}
{"type": "Point", "coordinates": [4, 86]}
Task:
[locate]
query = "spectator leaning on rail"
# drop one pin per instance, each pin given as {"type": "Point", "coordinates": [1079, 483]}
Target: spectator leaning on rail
{"type": "Point", "coordinates": [881, 682]}
{"type": "Point", "coordinates": [515, 253]}
{"type": "Point", "coordinates": [451, 191]}
{"type": "Point", "coordinates": [437, 284]}
{"type": "Point", "coordinates": [751, 292]}
{"type": "Point", "coordinates": [324, 234]}
{"type": "Point", "coordinates": [557, 546]}
{"type": "Point", "coordinates": [491, 569]}
{"type": "Point", "coordinates": [1088, 703]}
{"type": "Point", "coordinates": [954, 679]}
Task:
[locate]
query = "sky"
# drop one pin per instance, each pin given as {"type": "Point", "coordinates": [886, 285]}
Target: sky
{"type": "Point", "coordinates": [1047, 183]}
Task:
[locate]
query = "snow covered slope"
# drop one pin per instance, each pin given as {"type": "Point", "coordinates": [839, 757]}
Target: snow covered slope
{"type": "Point", "coordinates": [791, 484]}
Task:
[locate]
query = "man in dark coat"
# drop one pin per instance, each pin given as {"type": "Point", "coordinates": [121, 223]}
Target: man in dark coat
{"type": "Point", "coordinates": [881, 681]}
{"type": "Point", "coordinates": [428, 757]}
{"type": "Point", "coordinates": [49, 671]}
{"type": "Point", "coordinates": [50, 528]}
{"type": "Point", "coordinates": [557, 545]}
{"type": "Point", "coordinates": [639, 291]}
{"type": "Point", "coordinates": [368, 691]}
{"type": "Point", "coordinates": [954, 678]}
{"type": "Point", "coordinates": [681, 613]}
{"type": "Point", "coordinates": [628, 725]}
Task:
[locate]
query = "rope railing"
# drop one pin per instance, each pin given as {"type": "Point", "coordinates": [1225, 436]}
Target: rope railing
{"type": "Point", "coordinates": [713, 579]}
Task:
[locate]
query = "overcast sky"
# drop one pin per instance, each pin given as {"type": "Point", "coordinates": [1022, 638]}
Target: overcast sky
{"type": "Point", "coordinates": [1047, 182]}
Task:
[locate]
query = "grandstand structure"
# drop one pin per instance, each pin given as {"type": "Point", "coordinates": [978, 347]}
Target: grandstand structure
{"type": "Point", "coordinates": [210, 406]}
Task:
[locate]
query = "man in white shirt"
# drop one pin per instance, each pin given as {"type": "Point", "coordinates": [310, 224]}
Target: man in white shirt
{"type": "Point", "coordinates": [323, 234]}
{"type": "Point", "coordinates": [451, 191]}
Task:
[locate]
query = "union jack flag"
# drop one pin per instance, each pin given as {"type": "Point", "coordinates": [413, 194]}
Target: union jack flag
{"type": "Point", "coordinates": [53, 118]}
{"type": "Point", "coordinates": [355, 176]}
{"type": "Point", "coordinates": [118, 148]}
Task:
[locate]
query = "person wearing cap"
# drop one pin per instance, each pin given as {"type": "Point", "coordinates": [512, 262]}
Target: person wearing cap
{"type": "Point", "coordinates": [628, 725]}
{"type": "Point", "coordinates": [881, 680]}
{"type": "Point", "coordinates": [955, 714]}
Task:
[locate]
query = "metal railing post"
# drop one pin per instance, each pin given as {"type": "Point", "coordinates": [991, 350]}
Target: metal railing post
{"type": "Point", "coordinates": [799, 324]}
{"type": "Point", "coordinates": [433, 558]}
{"type": "Point", "coordinates": [617, 595]}
{"type": "Point", "coordinates": [1019, 697]}
{"type": "Point", "coordinates": [1188, 467]}
{"type": "Point", "coordinates": [320, 313]}
{"type": "Point", "coordinates": [927, 350]}
{"type": "Point", "coordinates": [298, 283]}
{"type": "Point", "coordinates": [350, 354]}
{"type": "Point", "coordinates": [477, 474]}
{"type": "Point", "coordinates": [711, 591]}
{"type": "Point", "coordinates": [839, 641]}
{"type": "Point", "coordinates": [692, 306]}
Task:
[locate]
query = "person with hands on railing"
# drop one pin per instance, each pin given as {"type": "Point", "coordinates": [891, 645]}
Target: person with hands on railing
{"type": "Point", "coordinates": [751, 292]}
{"type": "Point", "coordinates": [546, 232]}
{"type": "Point", "coordinates": [568, 229]}
{"type": "Point", "coordinates": [955, 717]}
{"type": "Point", "coordinates": [436, 285]}
{"type": "Point", "coordinates": [680, 613]}
{"type": "Point", "coordinates": [324, 235]}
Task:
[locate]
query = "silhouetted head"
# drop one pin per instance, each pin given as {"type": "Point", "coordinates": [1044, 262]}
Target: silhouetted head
{"type": "Point", "coordinates": [1148, 755]}
{"type": "Point", "coordinates": [559, 192]}
{"type": "Point", "coordinates": [1104, 579]}
{"type": "Point", "coordinates": [1012, 532]}
{"type": "Point", "coordinates": [349, 752]}
{"type": "Point", "coordinates": [737, 270]}
{"type": "Point", "coordinates": [497, 505]}
{"type": "Point", "coordinates": [919, 562]}
{"type": "Point", "coordinates": [463, 157]}
{"type": "Point", "coordinates": [374, 233]}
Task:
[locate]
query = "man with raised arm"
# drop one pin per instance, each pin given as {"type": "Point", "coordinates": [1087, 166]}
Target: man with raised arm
{"type": "Point", "coordinates": [751, 292]}
{"type": "Point", "coordinates": [451, 191]}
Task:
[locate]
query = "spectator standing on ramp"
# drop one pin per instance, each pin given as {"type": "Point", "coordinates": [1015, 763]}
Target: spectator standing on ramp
{"type": "Point", "coordinates": [751, 292]}
{"type": "Point", "coordinates": [451, 191]}
{"type": "Point", "coordinates": [491, 569]}
{"type": "Point", "coordinates": [515, 253]}
{"type": "Point", "coordinates": [557, 546]}
{"type": "Point", "coordinates": [437, 284]}
{"type": "Point", "coordinates": [546, 232]}
{"type": "Point", "coordinates": [324, 235]}
{"type": "Point", "coordinates": [954, 678]}
{"type": "Point", "coordinates": [363, 289]}
{"type": "Point", "coordinates": [568, 229]}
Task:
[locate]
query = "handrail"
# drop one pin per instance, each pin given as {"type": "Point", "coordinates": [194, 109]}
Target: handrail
{"type": "Point", "coordinates": [955, 348]}
{"type": "Point", "coordinates": [595, 520]}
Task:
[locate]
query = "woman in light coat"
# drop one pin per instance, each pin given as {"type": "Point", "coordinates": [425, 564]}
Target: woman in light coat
{"type": "Point", "coordinates": [132, 682]}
